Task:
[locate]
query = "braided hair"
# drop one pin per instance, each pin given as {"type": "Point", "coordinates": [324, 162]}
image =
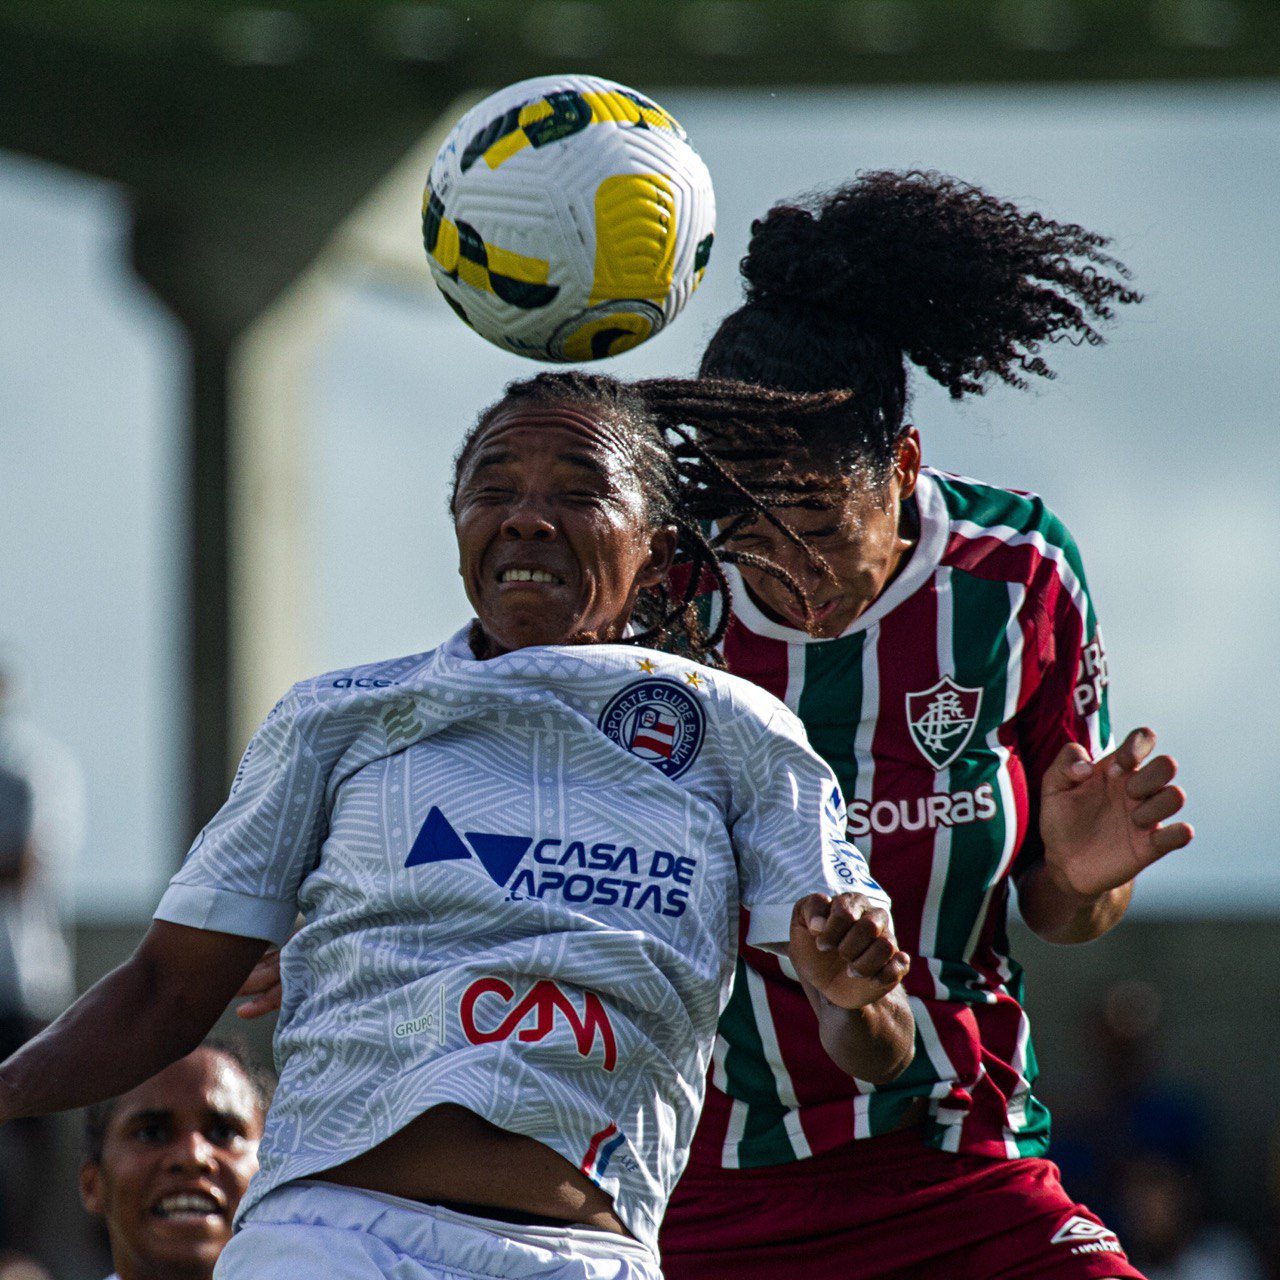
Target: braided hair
{"type": "Point", "coordinates": [915, 266]}
{"type": "Point", "coordinates": [703, 452]}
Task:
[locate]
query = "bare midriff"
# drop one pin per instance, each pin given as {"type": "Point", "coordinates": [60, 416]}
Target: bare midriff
{"type": "Point", "coordinates": [452, 1156]}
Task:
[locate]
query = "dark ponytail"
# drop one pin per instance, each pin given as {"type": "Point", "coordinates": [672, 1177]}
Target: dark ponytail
{"type": "Point", "coordinates": [899, 266]}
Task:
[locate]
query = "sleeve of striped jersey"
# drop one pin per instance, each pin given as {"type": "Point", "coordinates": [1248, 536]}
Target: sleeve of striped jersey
{"type": "Point", "coordinates": [1070, 701]}
{"type": "Point", "coordinates": [788, 831]}
{"type": "Point", "coordinates": [243, 873]}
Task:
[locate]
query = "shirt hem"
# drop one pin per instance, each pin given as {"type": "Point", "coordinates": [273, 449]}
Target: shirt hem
{"type": "Point", "coordinates": [225, 911]}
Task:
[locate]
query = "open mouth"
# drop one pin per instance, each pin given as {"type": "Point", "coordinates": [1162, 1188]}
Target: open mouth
{"type": "Point", "coordinates": [818, 613]}
{"type": "Point", "coordinates": [529, 575]}
{"type": "Point", "coordinates": [187, 1206]}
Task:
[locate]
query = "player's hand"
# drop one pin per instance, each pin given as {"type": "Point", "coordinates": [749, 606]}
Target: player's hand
{"type": "Point", "coordinates": [1103, 821]}
{"type": "Point", "coordinates": [844, 948]}
{"type": "Point", "coordinates": [262, 986]}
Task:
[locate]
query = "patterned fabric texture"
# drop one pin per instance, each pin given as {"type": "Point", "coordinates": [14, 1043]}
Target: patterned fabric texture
{"type": "Point", "coordinates": [521, 881]}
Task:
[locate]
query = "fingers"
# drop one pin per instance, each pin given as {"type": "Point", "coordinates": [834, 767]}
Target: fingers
{"type": "Point", "coordinates": [257, 1006]}
{"type": "Point", "coordinates": [811, 914]}
{"type": "Point", "coordinates": [1134, 750]}
{"type": "Point", "coordinates": [263, 976]}
{"type": "Point", "coordinates": [861, 933]}
{"type": "Point", "coordinates": [894, 971]}
{"type": "Point", "coordinates": [1164, 804]}
{"type": "Point", "coordinates": [1175, 836]}
{"type": "Point", "coordinates": [1072, 765]}
{"type": "Point", "coordinates": [1153, 775]}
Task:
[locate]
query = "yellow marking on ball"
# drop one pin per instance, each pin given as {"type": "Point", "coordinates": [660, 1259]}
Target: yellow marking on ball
{"type": "Point", "coordinates": [447, 250]}
{"type": "Point", "coordinates": [635, 238]}
{"type": "Point", "coordinates": [625, 329]}
{"type": "Point", "coordinates": [503, 262]}
{"type": "Point", "coordinates": [505, 148]}
{"type": "Point", "coordinates": [516, 265]}
{"type": "Point", "coordinates": [608, 105]}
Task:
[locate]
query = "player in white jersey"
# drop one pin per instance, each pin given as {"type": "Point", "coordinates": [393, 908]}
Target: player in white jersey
{"type": "Point", "coordinates": [521, 859]}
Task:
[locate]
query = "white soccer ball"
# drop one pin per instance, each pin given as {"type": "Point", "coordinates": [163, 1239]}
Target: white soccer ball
{"type": "Point", "coordinates": [567, 218]}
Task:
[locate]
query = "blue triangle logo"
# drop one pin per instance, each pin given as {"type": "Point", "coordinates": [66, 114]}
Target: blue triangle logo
{"type": "Point", "coordinates": [437, 842]}
{"type": "Point", "coordinates": [499, 854]}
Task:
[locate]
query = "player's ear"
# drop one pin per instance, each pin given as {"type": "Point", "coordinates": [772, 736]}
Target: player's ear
{"type": "Point", "coordinates": [906, 462]}
{"type": "Point", "coordinates": [662, 552]}
{"type": "Point", "coordinates": [91, 1190]}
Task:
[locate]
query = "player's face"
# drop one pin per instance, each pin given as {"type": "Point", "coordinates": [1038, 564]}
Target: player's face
{"type": "Point", "coordinates": [858, 533]}
{"type": "Point", "coordinates": [177, 1156]}
{"type": "Point", "coordinates": [554, 542]}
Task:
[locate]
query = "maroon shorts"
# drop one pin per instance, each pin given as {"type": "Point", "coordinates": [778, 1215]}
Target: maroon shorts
{"type": "Point", "coordinates": [888, 1208]}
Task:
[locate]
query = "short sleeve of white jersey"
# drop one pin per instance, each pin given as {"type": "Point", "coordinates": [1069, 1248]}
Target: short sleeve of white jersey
{"type": "Point", "coordinates": [788, 831]}
{"type": "Point", "coordinates": [243, 872]}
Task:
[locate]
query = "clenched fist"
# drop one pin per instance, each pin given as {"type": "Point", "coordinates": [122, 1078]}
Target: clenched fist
{"type": "Point", "coordinates": [844, 948]}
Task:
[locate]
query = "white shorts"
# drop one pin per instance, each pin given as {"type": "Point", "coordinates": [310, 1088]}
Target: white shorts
{"type": "Point", "coordinates": [321, 1231]}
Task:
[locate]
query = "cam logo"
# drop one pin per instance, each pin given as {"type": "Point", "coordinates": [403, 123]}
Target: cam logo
{"type": "Point", "coordinates": [439, 842]}
{"type": "Point", "coordinates": [658, 721]}
{"type": "Point", "coordinates": [942, 719]}
{"type": "Point", "coordinates": [534, 1016]}
{"type": "Point", "coordinates": [1086, 1236]}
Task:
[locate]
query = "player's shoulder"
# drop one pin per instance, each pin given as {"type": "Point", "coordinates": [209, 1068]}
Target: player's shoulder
{"type": "Point", "coordinates": [995, 508]}
{"type": "Point", "coordinates": [984, 520]}
{"type": "Point", "coordinates": [728, 700]}
{"type": "Point", "coordinates": [348, 689]}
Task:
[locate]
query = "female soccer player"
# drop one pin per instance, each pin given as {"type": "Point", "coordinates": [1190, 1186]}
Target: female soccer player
{"type": "Point", "coordinates": [520, 858]}
{"type": "Point", "coordinates": [950, 670]}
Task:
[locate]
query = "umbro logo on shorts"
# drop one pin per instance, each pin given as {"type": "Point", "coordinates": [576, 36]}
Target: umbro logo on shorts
{"type": "Point", "coordinates": [1086, 1236]}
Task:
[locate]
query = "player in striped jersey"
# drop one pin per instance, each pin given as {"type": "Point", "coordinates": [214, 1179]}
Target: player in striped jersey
{"type": "Point", "coordinates": [952, 673]}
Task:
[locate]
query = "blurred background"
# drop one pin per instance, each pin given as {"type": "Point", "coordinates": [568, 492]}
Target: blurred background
{"type": "Point", "coordinates": [229, 400]}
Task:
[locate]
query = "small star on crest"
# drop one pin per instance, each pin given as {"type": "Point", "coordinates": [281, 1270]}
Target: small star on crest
{"type": "Point", "coordinates": [647, 666]}
{"type": "Point", "coordinates": [693, 678]}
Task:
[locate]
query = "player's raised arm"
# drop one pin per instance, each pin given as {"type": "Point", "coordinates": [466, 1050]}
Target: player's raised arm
{"type": "Point", "coordinates": [849, 962]}
{"type": "Point", "coordinates": [1102, 823]}
{"type": "Point", "coordinates": [152, 1010]}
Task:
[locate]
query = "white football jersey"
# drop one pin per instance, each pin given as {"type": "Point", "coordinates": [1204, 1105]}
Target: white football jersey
{"type": "Point", "coordinates": [521, 880]}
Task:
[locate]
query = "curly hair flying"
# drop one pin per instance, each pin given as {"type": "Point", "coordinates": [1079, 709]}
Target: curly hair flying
{"type": "Point", "coordinates": [844, 289]}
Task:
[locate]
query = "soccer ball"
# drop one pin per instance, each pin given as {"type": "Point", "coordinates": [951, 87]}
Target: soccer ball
{"type": "Point", "coordinates": [567, 218]}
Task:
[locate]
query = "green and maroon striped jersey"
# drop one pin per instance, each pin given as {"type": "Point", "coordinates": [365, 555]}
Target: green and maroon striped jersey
{"type": "Point", "coordinates": [939, 710]}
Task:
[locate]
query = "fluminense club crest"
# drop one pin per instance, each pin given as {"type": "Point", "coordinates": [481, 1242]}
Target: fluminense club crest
{"type": "Point", "coordinates": [941, 720]}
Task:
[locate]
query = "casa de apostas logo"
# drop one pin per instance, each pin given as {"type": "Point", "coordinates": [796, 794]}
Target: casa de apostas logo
{"type": "Point", "coordinates": [942, 719]}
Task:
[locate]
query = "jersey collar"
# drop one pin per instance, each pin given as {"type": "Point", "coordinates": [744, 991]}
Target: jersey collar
{"type": "Point", "coordinates": [457, 647]}
{"type": "Point", "coordinates": [925, 557]}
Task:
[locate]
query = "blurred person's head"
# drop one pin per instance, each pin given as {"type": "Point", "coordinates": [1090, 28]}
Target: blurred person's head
{"type": "Point", "coordinates": [167, 1163]}
{"type": "Point", "coordinates": [842, 293]}
{"type": "Point", "coordinates": [1128, 1030]}
{"type": "Point", "coordinates": [1159, 1206]}
{"type": "Point", "coordinates": [18, 1266]}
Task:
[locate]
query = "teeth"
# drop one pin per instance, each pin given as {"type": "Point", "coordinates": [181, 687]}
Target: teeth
{"type": "Point", "coordinates": [527, 575]}
{"type": "Point", "coordinates": [173, 1205]}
